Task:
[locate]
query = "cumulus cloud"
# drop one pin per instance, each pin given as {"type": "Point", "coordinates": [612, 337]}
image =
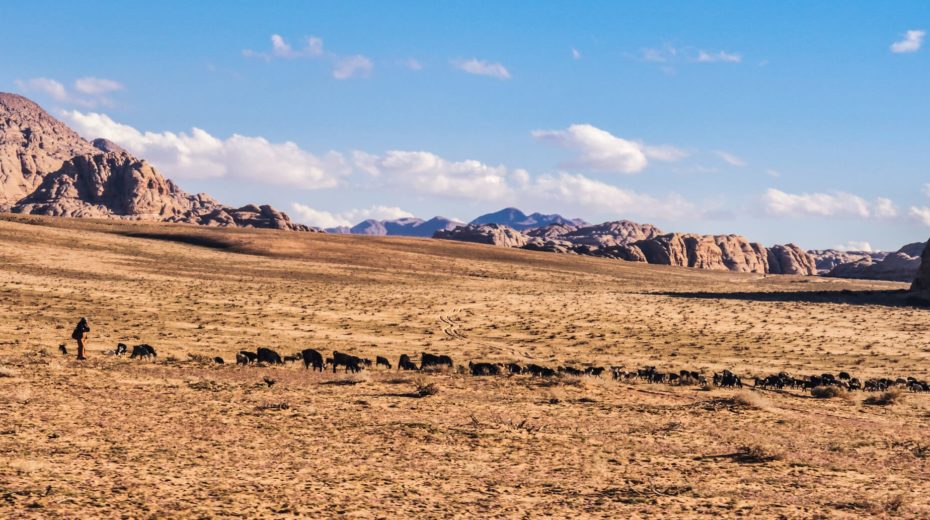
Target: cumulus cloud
{"type": "Point", "coordinates": [730, 158]}
{"type": "Point", "coordinates": [718, 57]}
{"type": "Point", "coordinates": [343, 67]}
{"type": "Point", "coordinates": [86, 92]}
{"type": "Point", "coordinates": [326, 219]}
{"type": "Point", "coordinates": [670, 54]}
{"type": "Point", "coordinates": [920, 214]}
{"type": "Point", "coordinates": [599, 150]}
{"type": "Point", "coordinates": [199, 155]}
{"type": "Point", "coordinates": [853, 245]}
{"type": "Point", "coordinates": [483, 68]}
{"type": "Point", "coordinates": [312, 47]}
{"type": "Point", "coordinates": [356, 66]}
{"type": "Point", "coordinates": [836, 204]}
{"type": "Point", "coordinates": [429, 174]}
{"type": "Point", "coordinates": [591, 194]}
{"type": "Point", "coordinates": [96, 86]}
{"type": "Point", "coordinates": [912, 42]}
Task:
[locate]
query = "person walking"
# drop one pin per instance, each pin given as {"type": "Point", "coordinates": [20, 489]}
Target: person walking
{"type": "Point", "coordinates": [80, 334]}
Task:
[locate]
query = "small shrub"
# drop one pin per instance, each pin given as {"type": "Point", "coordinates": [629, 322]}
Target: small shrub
{"type": "Point", "coordinates": [827, 392]}
{"type": "Point", "coordinates": [885, 398]}
{"type": "Point", "coordinates": [425, 389]}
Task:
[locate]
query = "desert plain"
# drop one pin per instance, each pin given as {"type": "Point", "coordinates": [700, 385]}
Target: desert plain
{"type": "Point", "coordinates": [184, 437]}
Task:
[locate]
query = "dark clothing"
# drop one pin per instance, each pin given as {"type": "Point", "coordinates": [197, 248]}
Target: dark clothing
{"type": "Point", "coordinates": [80, 334]}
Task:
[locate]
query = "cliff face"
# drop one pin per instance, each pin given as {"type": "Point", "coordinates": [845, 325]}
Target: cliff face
{"type": "Point", "coordinates": [633, 242]}
{"type": "Point", "coordinates": [920, 288]}
{"type": "Point", "coordinates": [48, 169]}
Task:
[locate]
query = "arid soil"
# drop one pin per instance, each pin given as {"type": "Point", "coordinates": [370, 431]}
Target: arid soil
{"type": "Point", "coordinates": [182, 437]}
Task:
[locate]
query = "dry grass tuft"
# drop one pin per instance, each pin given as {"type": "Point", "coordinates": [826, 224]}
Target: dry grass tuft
{"type": "Point", "coordinates": [7, 372]}
{"type": "Point", "coordinates": [424, 389]}
{"type": "Point", "coordinates": [828, 392]}
{"type": "Point", "coordinates": [885, 398]}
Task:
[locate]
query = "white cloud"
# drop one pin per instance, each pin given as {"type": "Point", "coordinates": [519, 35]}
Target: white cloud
{"type": "Point", "coordinates": [356, 66]}
{"type": "Point", "coordinates": [96, 86]}
{"type": "Point", "coordinates": [199, 155]}
{"type": "Point", "coordinates": [576, 54]}
{"type": "Point", "coordinates": [853, 245]}
{"type": "Point", "coordinates": [773, 173]}
{"type": "Point", "coordinates": [54, 89]}
{"type": "Point", "coordinates": [912, 42]}
{"type": "Point", "coordinates": [715, 57]}
{"type": "Point", "coordinates": [483, 68]}
{"type": "Point", "coordinates": [926, 190]}
{"type": "Point", "coordinates": [313, 47]}
{"type": "Point", "coordinates": [884, 208]}
{"type": "Point", "coordinates": [836, 204]}
{"type": "Point", "coordinates": [920, 214]}
{"type": "Point", "coordinates": [602, 151]}
{"type": "Point", "coordinates": [591, 194]}
{"type": "Point", "coordinates": [669, 54]}
{"type": "Point", "coordinates": [87, 91]}
{"type": "Point", "coordinates": [730, 158]}
{"type": "Point", "coordinates": [413, 64]}
{"type": "Point", "coordinates": [427, 173]}
{"type": "Point", "coordinates": [325, 219]}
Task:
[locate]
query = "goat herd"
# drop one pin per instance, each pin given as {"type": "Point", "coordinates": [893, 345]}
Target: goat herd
{"type": "Point", "coordinates": [726, 379]}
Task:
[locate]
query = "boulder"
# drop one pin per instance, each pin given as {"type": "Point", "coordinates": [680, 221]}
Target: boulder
{"type": "Point", "coordinates": [494, 234]}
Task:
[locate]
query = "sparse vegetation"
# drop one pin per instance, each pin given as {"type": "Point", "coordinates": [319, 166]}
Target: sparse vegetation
{"type": "Point", "coordinates": [186, 438]}
{"type": "Point", "coordinates": [885, 398]}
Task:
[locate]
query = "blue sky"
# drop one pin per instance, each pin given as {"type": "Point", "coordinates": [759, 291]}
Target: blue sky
{"type": "Point", "coordinates": [783, 121]}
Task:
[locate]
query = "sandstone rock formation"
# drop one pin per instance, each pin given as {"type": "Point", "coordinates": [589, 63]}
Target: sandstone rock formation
{"type": "Point", "coordinates": [48, 169]}
{"type": "Point", "coordinates": [634, 242]}
{"type": "Point", "coordinates": [790, 259]}
{"type": "Point", "coordinates": [827, 259]}
{"type": "Point", "coordinates": [920, 288]}
{"type": "Point", "coordinates": [494, 234]}
{"type": "Point", "coordinates": [900, 266]}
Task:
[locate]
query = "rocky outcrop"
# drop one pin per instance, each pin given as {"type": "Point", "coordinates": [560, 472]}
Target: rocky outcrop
{"type": "Point", "coordinates": [493, 234]}
{"type": "Point", "coordinates": [791, 259]}
{"type": "Point", "coordinates": [900, 266]}
{"type": "Point", "coordinates": [608, 234]}
{"type": "Point", "coordinates": [519, 221]}
{"type": "Point", "coordinates": [48, 169]}
{"type": "Point", "coordinates": [920, 288]}
{"type": "Point", "coordinates": [827, 259]}
{"type": "Point", "coordinates": [633, 242]}
{"type": "Point", "coordinates": [720, 252]}
{"type": "Point", "coordinates": [32, 144]}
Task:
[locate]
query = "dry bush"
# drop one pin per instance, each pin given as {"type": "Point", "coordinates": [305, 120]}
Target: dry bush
{"type": "Point", "coordinates": [828, 392]}
{"type": "Point", "coordinates": [756, 454]}
{"type": "Point", "coordinates": [424, 389]}
{"type": "Point", "coordinates": [199, 358]}
{"type": "Point", "coordinates": [7, 372]}
{"type": "Point", "coordinates": [885, 398]}
{"type": "Point", "coordinates": [749, 399]}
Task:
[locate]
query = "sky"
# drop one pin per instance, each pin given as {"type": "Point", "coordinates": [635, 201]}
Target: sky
{"type": "Point", "coordinates": [802, 122]}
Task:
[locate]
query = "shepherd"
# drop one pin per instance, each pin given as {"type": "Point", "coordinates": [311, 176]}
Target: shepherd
{"type": "Point", "coordinates": [80, 334]}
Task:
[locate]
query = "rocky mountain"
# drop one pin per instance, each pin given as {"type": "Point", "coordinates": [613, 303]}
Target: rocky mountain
{"type": "Point", "coordinates": [411, 227]}
{"type": "Point", "coordinates": [900, 266]}
{"type": "Point", "coordinates": [633, 242]}
{"type": "Point", "coordinates": [48, 169]}
{"type": "Point", "coordinates": [920, 288]}
{"type": "Point", "coordinates": [827, 259]}
{"type": "Point", "coordinates": [516, 219]}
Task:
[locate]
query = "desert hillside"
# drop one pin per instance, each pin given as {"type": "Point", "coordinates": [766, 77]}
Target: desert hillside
{"type": "Point", "coordinates": [183, 437]}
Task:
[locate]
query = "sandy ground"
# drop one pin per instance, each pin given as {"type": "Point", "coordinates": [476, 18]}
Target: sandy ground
{"type": "Point", "coordinates": [182, 437]}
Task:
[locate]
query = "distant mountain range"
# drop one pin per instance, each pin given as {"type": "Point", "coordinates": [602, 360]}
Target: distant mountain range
{"type": "Point", "coordinates": [416, 227]}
